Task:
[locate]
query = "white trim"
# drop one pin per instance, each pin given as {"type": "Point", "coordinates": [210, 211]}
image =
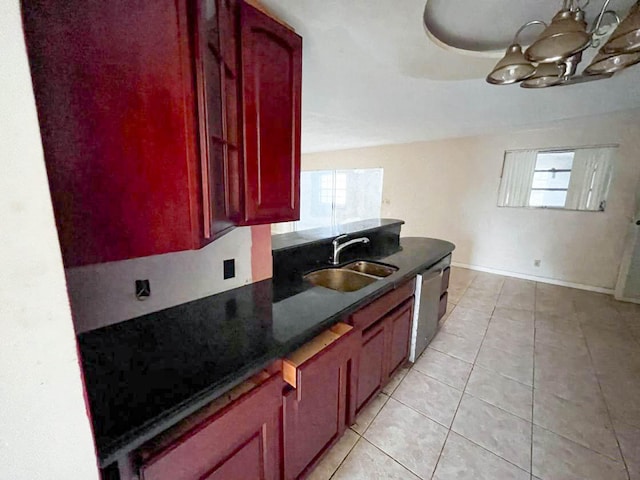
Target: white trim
{"type": "Point", "coordinates": [416, 312]}
{"type": "Point", "coordinates": [629, 300]}
{"type": "Point", "coordinates": [552, 281]}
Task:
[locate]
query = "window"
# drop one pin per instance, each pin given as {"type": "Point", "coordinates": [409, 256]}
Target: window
{"type": "Point", "coordinates": [333, 197]}
{"type": "Point", "coordinates": [573, 179]}
{"type": "Point", "coordinates": [551, 179]}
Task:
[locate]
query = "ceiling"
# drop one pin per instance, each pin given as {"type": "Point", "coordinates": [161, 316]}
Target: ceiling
{"type": "Point", "coordinates": [373, 76]}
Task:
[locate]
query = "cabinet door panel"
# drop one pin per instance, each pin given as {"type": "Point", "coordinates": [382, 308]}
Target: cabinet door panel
{"type": "Point", "coordinates": [271, 81]}
{"type": "Point", "coordinates": [242, 464]}
{"type": "Point", "coordinates": [239, 442]}
{"type": "Point", "coordinates": [315, 412]}
{"type": "Point", "coordinates": [216, 67]}
{"type": "Point", "coordinates": [112, 83]}
{"type": "Point", "coordinates": [371, 364]}
{"type": "Point", "coordinates": [399, 327]}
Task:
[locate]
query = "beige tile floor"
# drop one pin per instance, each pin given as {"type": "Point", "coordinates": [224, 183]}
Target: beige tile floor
{"type": "Point", "coordinates": [523, 381]}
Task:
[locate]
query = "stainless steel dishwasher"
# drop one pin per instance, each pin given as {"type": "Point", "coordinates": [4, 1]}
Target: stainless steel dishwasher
{"type": "Point", "coordinates": [426, 308]}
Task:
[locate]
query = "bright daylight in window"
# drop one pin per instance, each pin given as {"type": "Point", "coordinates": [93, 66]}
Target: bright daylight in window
{"type": "Point", "coordinates": [571, 179]}
{"type": "Point", "coordinates": [333, 197]}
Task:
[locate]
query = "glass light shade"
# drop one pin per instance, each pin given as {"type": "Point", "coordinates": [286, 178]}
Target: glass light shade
{"type": "Point", "coordinates": [546, 75]}
{"type": "Point", "coordinates": [563, 38]}
{"type": "Point", "coordinates": [626, 38]}
{"type": "Point", "coordinates": [512, 68]}
{"type": "Point", "coordinates": [605, 63]}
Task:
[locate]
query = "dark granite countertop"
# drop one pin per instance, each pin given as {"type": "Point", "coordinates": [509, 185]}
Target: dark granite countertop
{"type": "Point", "coordinates": [146, 374]}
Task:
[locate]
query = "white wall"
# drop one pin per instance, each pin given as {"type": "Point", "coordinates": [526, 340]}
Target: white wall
{"type": "Point", "coordinates": [45, 432]}
{"type": "Point", "coordinates": [448, 189]}
{"type": "Point", "coordinates": [104, 293]}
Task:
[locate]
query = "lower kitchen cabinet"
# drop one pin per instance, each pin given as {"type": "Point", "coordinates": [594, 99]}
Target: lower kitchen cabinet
{"type": "Point", "coordinates": [278, 424]}
{"type": "Point", "coordinates": [316, 407]}
{"type": "Point", "coordinates": [239, 442]}
{"type": "Point", "coordinates": [399, 334]}
{"type": "Point", "coordinates": [385, 326]}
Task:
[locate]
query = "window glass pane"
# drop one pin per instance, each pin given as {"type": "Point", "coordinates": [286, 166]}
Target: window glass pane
{"type": "Point", "coordinates": [547, 198]}
{"type": "Point", "coordinates": [326, 185]}
{"type": "Point", "coordinates": [551, 180]}
{"type": "Point", "coordinates": [557, 160]}
{"type": "Point", "coordinates": [316, 192]}
{"type": "Point", "coordinates": [358, 194]}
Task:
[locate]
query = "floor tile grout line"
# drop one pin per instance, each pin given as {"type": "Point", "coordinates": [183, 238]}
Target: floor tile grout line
{"type": "Point", "coordinates": [572, 440]}
{"type": "Point", "coordinates": [489, 451]}
{"type": "Point", "coordinates": [500, 408]}
{"type": "Point", "coordinates": [439, 380]}
{"type": "Point", "coordinates": [377, 413]}
{"type": "Point", "coordinates": [606, 457]}
{"type": "Point", "coordinates": [455, 413]}
{"type": "Point", "coordinates": [395, 460]}
{"type": "Point", "coordinates": [502, 375]}
{"type": "Point", "coordinates": [604, 399]}
{"type": "Point", "coordinates": [443, 353]}
{"type": "Point", "coordinates": [422, 413]}
{"type": "Point", "coordinates": [345, 457]}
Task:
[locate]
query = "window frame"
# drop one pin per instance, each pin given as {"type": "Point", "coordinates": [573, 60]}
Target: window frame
{"type": "Point", "coordinates": [573, 149]}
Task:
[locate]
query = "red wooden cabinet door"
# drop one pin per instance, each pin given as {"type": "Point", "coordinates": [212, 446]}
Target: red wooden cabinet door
{"type": "Point", "coordinates": [216, 66]}
{"type": "Point", "coordinates": [113, 88]}
{"type": "Point", "coordinates": [371, 365]}
{"type": "Point", "coordinates": [271, 79]}
{"type": "Point", "coordinates": [315, 412]}
{"type": "Point", "coordinates": [399, 334]}
{"type": "Point", "coordinates": [239, 443]}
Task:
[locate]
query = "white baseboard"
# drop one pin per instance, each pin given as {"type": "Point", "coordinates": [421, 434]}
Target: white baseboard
{"type": "Point", "coordinates": [628, 300]}
{"type": "Point", "coordinates": [552, 281]}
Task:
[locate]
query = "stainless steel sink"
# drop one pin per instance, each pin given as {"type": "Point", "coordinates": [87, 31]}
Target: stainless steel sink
{"type": "Point", "coordinates": [371, 268]}
{"type": "Point", "coordinates": [351, 277]}
{"type": "Point", "coordinates": [340, 279]}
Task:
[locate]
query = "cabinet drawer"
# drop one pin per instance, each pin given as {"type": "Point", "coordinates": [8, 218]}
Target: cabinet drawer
{"type": "Point", "coordinates": [291, 365]}
{"type": "Point", "coordinates": [380, 307]}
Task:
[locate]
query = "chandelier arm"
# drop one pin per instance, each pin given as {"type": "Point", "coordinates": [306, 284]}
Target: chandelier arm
{"type": "Point", "coordinates": [598, 22]}
{"type": "Point", "coordinates": [579, 6]}
{"type": "Point", "coordinates": [516, 38]}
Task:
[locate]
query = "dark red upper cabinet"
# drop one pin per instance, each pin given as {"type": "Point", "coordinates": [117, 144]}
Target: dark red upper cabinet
{"type": "Point", "coordinates": [141, 110]}
{"type": "Point", "coordinates": [112, 83]}
{"type": "Point", "coordinates": [271, 79]}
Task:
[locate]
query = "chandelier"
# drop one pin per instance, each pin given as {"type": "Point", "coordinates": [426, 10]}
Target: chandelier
{"type": "Point", "coordinates": [553, 58]}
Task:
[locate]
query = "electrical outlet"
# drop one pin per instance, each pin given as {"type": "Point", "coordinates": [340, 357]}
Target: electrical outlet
{"type": "Point", "coordinates": [536, 263]}
{"type": "Point", "coordinates": [143, 289]}
{"type": "Point", "coordinates": [229, 268]}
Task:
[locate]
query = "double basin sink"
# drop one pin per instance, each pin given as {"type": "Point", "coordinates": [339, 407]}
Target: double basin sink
{"type": "Point", "coordinates": [351, 277]}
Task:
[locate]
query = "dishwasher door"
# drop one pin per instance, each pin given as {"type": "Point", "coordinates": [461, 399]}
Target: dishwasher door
{"type": "Point", "coordinates": [425, 314]}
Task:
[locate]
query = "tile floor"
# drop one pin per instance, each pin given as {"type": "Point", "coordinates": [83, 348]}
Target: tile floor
{"type": "Point", "coordinates": [523, 381]}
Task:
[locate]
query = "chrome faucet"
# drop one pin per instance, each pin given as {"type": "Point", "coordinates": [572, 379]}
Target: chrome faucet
{"type": "Point", "coordinates": [337, 247]}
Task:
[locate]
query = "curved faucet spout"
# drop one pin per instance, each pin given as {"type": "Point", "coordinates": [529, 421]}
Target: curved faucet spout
{"type": "Point", "coordinates": [337, 247]}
